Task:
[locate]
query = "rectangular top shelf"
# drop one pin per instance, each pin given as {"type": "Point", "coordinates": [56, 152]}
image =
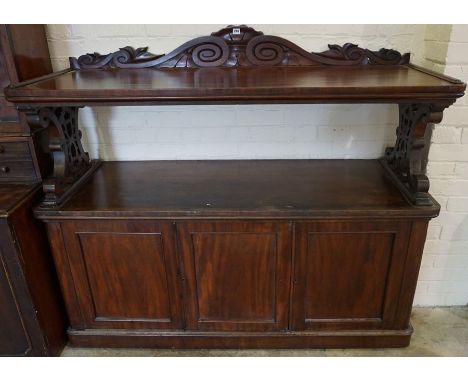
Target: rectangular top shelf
{"type": "Point", "coordinates": [274, 84]}
{"type": "Point", "coordinates": [240, 189]}
{"type": "Point", "coordinates": [239, 64]}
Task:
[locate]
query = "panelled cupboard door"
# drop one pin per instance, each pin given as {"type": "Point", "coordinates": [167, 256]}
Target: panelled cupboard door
{"type": "Point", "coordinates": [20, 333]}
{"type": "Point", "coordinates": [347, 274]}
{"type": "Point", "coordinates": [14, 338]}
{"type": "Point", "coordinates": [125, 274]}
{"type": "Point", "coordinates": [237, 275]}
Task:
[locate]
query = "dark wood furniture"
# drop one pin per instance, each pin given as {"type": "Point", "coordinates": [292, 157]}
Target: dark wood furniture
{"type": "Point", "coordinates": [24, 54]}
{"type": "Point", "coordinates": [275, 253]}
{"type": "Point", "coordinates": [32, 315]}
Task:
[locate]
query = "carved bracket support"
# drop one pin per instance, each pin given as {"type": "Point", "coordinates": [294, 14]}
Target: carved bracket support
{"type": "Point", "coordinates": [407, 160]}
{"type": "Point", "coordinates": [70, 161]}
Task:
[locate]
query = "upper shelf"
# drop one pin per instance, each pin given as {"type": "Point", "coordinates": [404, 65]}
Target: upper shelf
{"type": "Point", "coordinates": [239, 65]}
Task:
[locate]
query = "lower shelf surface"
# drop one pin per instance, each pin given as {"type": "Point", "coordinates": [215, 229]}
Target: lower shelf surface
{"type": "Point", "coordinates": [239, 188]}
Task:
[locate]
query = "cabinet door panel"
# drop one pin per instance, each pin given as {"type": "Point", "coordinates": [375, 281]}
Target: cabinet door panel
{"type": "Point", "coordinates": [125, 273]}
{"type": "Point", "coordinates": [20, 333]}
{"type": "Point", "coordinates": [14, 338]}
{"type": "Point", "coordinates": [237, 275]}
{"type": "Point", "coordinates": [346, 275]}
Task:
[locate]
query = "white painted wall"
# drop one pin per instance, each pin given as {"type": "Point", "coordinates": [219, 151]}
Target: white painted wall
{"type": "Point", "coordinates": [295, 131]}
{"type": "Point", "coordinates": [443, 277]}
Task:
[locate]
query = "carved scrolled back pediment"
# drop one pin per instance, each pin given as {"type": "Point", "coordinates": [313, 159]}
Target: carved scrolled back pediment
{"type": "Point", "coordinates": [239, 46]}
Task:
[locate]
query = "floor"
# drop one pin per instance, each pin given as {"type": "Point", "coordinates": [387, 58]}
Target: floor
{"type": "Point", "coordinates": [437, 332]}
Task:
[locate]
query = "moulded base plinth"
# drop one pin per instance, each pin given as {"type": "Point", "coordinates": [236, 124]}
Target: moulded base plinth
{"type": "Point", "coordinates": [240, 340]}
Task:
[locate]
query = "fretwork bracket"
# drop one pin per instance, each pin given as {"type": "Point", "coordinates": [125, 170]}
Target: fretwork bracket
{"type": "Point", "coordinates": [71, 164]}
{"type": "Point", "coordinates": [406, 161]}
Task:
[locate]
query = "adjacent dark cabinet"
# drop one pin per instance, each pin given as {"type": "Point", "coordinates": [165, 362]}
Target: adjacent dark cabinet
{"type": "Point", "coordinates": [32, 316]}
{"type": "Point", "coordinates": [24, 54]}
{"type": "Point", "coordinates": [14, 338]}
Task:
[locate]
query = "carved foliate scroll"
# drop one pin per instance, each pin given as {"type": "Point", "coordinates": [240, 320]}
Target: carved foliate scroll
{"type": "Point", "coordinates": [236, 46]}
{"type": "Point", "coordinates": [408, 158]}
{"type": "Point", "coordinates": [69, 158]}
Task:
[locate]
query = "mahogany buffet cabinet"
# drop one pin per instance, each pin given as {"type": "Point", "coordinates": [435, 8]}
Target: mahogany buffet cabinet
{"type": "Point", "coordinates": [247, 253]}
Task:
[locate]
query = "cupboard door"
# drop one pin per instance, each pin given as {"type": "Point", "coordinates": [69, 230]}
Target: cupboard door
{"type": "Point", "coordinates": [14, 339]}
{"type": "Point", "coordinates": [237, 275]}
{"type": "Point", "coordinates": [20, 333]}
{"type": "Point", "coordinates": [347, 274]}
{"type": "Point", "coordinates": [124, 273]}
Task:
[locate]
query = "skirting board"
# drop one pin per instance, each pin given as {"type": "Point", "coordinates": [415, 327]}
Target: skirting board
{"type": "Point", "coordinates": [240, 340]}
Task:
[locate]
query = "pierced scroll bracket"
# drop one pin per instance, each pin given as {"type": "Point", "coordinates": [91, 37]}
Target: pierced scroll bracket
{"type": "Point", "coordinates": [71, 164]}
{"type": "Point", "coordinates": [406, 161]}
